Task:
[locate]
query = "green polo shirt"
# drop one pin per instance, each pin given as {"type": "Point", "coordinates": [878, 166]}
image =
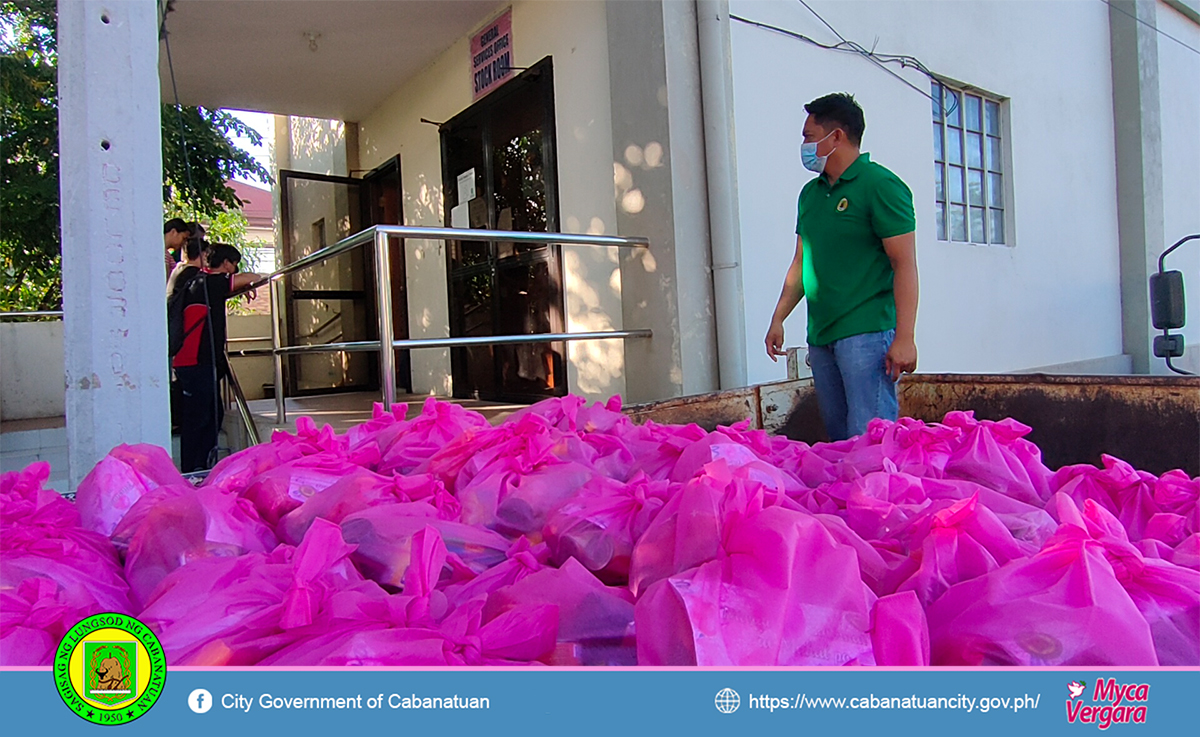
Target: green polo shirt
{"type": "Point", "coordinates": [847, 274]}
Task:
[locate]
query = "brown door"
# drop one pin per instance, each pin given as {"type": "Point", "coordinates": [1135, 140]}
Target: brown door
{"type": "Point", "coordinates": [506, 141]}
{"type": "Point", "coordinates": [385, 206]}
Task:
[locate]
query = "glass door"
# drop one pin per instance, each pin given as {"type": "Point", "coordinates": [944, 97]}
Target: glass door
{"type": "Point", "coordinates": [499, 172]}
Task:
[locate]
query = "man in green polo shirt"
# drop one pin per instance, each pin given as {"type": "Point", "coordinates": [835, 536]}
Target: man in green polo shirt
{"type": "Point", "coordinates": [856, 263]}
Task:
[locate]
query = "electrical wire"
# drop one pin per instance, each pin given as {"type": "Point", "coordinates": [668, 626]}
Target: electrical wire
{"type": "Point", "coordinates": [1151, 26]}
{"type": "Point", "coordinates": [851, 47]}
{"type": "Point", "coordinates": [870, 55]}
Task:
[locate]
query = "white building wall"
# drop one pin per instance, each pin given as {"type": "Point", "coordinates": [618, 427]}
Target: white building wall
{"type": "Point", "coordinates": [575, 35]}
{"type": "Point", "coordinates": [1049, 297]}
{"type": "Point", "coordinates": [1179, 87]}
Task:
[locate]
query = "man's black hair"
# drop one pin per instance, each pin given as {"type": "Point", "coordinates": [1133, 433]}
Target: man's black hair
{"type": "Point", "coordinates": [222, 252]}
{"type": "Point", "coordinates": [192, 247]}
{"type": "Point", "coordinates": [177, 224]}
{"type": "Point", "coordinates": [839, 110]}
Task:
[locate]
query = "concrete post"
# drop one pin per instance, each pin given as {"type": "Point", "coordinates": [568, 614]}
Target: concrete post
{"type": "Point", "coordinates": [660, 185]}
{"type": "Point", "coordinates": [1137, 111]}
{"type": "Point", "coordinates": [110, 164]}
{"type": "Point", "coordinates": [716, 75]}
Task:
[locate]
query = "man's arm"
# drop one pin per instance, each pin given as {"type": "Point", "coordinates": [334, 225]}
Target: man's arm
{"type": "Point", "coordinates": [793, 292]}
{"type": "Point", "coordinates": [237, 281]}
{"type": "Point", "coordinates": [902, 356]}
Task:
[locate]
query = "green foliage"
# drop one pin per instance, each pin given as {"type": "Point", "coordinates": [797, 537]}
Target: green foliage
{"type": "Point", "coordinates": [223, 226]}
{"type": "Point", "coordinates": [30, 243]}
{"type": "Point", "coordinates": [29, 252]}
{"type": "Point", "coordinates": [198, 182]}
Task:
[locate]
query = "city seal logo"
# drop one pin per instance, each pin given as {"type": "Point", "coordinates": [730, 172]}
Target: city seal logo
{"type": "Point", "coordinates": [110, 669]}
{"type": "Point", "coordinates": [843, 205]}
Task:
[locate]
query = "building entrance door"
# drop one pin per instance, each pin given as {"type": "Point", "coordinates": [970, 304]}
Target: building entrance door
{"type": "Point", "coordinates": [334, 301]}
{"type": "Point", "coordinates": [499, 172]}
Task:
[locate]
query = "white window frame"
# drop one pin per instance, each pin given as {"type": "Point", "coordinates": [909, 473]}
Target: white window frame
{"type": "Point", "coordinates": [995, 161]}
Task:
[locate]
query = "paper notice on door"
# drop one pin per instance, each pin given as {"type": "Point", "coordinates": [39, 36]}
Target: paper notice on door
{"type": "Point", "coordinates": [460, 216]}
{"type": "Point", "coordinates": [466, 185]}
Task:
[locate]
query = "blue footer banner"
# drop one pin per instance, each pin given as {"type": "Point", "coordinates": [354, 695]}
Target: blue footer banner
{"type": "Point", "coordinates": [228, 702]}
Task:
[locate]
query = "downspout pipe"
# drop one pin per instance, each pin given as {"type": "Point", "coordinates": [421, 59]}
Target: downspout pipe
{"type": "Point", "coordinates": [716, 92]}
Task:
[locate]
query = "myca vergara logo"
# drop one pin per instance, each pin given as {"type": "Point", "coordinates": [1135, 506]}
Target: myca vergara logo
{"type": "Point", "coordinates": [110, 669]}
{"type": "Point", "coordinates": [1112, 703]}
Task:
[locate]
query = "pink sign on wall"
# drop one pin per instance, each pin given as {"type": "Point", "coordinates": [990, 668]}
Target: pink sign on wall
{"type": "Point", "coordinates": [491, 55]}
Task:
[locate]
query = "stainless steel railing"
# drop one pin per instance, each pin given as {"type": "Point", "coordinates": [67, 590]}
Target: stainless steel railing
{"type": "Point", "coordinates": [243, 408]}
{"type": "Point", "coordinates": [378, 235]}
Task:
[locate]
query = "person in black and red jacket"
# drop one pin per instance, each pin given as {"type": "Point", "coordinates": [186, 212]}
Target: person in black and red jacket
{"type": "Point", "coordinates": [200, 364]}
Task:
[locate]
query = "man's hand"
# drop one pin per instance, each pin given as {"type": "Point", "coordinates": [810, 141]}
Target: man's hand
{"type": "Point", "coordinates": [901, 358]}
{"type": "Point", "coordinates": [775, 341]}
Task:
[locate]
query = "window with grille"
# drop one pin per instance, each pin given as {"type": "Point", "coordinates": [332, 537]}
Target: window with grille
{"type": "Point", "coordinates": [968, 169]}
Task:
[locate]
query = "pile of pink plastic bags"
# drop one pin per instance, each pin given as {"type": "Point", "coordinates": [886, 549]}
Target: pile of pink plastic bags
{"type": "Point", "coordinates": [568, 535]}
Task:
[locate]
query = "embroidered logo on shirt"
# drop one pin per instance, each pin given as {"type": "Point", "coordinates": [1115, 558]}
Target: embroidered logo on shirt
{"type": "Point", "coordinates": [843, 205]}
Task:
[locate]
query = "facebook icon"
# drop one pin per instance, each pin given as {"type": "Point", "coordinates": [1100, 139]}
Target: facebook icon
{"type": "Point", "coordinates": [200, 700]}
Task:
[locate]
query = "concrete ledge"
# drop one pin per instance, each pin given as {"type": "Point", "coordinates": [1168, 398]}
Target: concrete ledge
{"type": "Point", "coordinates": [31, 364]}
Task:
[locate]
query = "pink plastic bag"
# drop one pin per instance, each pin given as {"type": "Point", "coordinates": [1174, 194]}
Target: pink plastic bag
{"type": "Point", "coordinates": [519, 474]}
{"type": "Point", "coordinates": [359, 489]}
{"type": "Point", "coordinates": [1063, 606]}
{"type": "Point", "coordinates": [875, 563]}
{"type": "Point", "coordinates": [600, 525]}
{"type": "Point", "coordinates": [879, 503]}
{"type": "Point", "coordinates": [236, 472]}
{"type": "Point", "coordinates": [594, 622]}
{"type": "Point", "coordinates": [920, 449]}
{"type": "Point", "coordinates": [383, 536]}
{"type": "Point", "coordinates": [310, 439]}
{"type": "Point", "coordinates": [962, 541]}
{"type": "Point", "coordinates": [522, 560]}
{"type": "Point", "coordinates": [119, 480]}
{"type": "Point", "coordinates": [221, 611]}
{"type": "Point", "coordinates": [572, 414]}
{"type": "Point", "coordinates": [365, 628]}
{"type": "Point", "coordinates": [514, 638]}
{"type": "Point", "coordinates": [684, 534]}
{"type": "Point", "coordinates": [427, 434]}
{"type": "Point", "coordinates": [899, 631]}
{"type": "Point", "coordinates": [34, 617]}
{"type": "Point", "coordinates": [996, 455]}
{"type": "Point", "coordinates": [84, 589]}
{"type": "Point", "coordinates": [41, 522]}
{"type": "Point", "coordinates": [1118, 487]}
{"type": "Point", "coordinates": [277, 491]}
{"type": "Point", "coordinates": [354, 617]}
{"type": "Point", "coordinates": [53, 572]}
{"type": "Point", "coordinates": [1175, 493]}
{"type": "Point", "coordinates": [1187, 553]}
{"type": "Point", "coordinates": [366, 443]}
{"type": "Point", "coordinates": [782, 592]}
{"type": "Point", "coordinates": [658, 448]}
{"type": "Point", "coordinates": [1167, 595]}
{"type": "Point", "coordinates": [1028, 523]}
{"type": "Point", "coordinates": [174, 525]}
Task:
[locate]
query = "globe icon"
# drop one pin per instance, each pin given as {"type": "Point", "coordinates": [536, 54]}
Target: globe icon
{"type": "Point", "coordinates": [728, 701]}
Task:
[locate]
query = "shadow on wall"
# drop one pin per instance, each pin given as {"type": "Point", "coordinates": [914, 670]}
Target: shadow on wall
{"type": "Point", "coordinates": [429, 315]}
{"type": "Point", "coordinates": [314, 141]}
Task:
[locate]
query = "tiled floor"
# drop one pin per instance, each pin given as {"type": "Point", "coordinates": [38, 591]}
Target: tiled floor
{"type": "Point", "coordinates": [26, 441]}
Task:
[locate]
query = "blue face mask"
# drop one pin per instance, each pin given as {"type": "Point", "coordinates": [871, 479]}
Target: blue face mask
{"type": "Point", "coordinates": [809, 158]}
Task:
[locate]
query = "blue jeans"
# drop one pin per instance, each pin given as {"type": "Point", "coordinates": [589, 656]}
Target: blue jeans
{"type": "Point", "coordinates": [852, 383]}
